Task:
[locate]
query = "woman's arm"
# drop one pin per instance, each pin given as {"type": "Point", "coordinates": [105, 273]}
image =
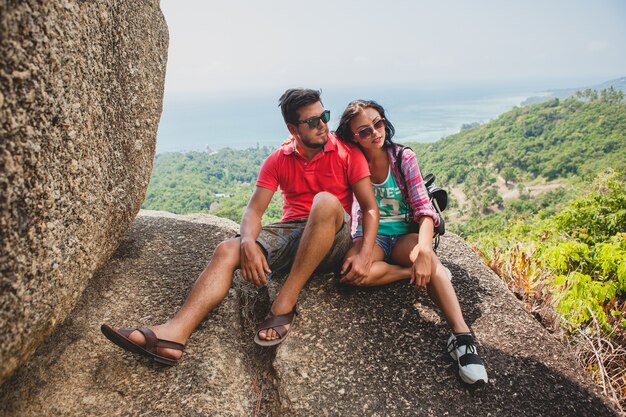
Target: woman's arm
{"type": "Point", "coordinates": [422, 267]}
{"type": "Point", "coordinates": [357, 267]}
{"type": "Point", "coordinates": [416, 190]}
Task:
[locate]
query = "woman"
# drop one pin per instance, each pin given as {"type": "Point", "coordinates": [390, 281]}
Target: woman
{"type": "Point", "coordinates": [399, 253]}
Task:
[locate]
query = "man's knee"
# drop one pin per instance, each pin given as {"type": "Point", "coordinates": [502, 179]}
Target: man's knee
{"type": "Point", "coordinates": [326, 204]}
{"type": "Point", "coordinates": [227, 251]}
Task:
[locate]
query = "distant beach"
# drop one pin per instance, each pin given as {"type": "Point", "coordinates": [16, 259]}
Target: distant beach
{"type": "Point", "coordinates": [198, 123]}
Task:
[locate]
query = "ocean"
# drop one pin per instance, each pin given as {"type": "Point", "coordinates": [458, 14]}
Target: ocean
{"type": "Point", "coordinates": [240, 121]}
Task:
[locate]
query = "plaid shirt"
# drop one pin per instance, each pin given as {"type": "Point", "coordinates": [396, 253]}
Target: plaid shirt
{"type": "Point", "coordinates": [414, 188]}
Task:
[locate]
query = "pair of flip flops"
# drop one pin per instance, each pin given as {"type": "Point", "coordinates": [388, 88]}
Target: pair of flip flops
{"type": "Point", "coordinates": [149, 350]}
{"type": "Point", "coordinates": [278, 323]}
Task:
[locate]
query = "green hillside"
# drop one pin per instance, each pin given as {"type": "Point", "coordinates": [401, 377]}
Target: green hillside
{"type": "Point", "coordinates": [219, 183]}
{"type": "Point", "coordinates": [555, 139]}
{"type": "Point", "coordinates": [528, 160]}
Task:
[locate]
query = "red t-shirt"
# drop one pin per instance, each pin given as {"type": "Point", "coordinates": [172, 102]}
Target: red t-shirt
{"type": "Point", "coordinates": [333, 170]}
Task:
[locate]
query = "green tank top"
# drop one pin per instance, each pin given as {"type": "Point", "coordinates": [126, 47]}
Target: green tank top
{"type": "Point", "coordinates": [391, 207]}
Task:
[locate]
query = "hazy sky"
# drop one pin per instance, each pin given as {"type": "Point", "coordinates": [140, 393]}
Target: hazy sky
{"type": "Point", "coordinates": [243, 45]}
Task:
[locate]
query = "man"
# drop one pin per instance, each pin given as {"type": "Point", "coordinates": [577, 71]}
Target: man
{"type": "Point", "coordinates": [317, 175]}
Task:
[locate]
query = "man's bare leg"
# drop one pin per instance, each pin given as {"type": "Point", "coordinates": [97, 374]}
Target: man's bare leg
{"type": "Point", "coordinates": [208, 291]}
{"type": "Point", "coordinates": [325, 220]}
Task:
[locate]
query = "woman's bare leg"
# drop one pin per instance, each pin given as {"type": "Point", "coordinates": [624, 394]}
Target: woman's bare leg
{"type": "Point", "coordinates": [440, 288]}
{"type": "Point", "coordinates": [381, 272]}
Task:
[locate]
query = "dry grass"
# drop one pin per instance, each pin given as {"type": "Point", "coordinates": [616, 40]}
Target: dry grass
{"type": "Point", "coordinates": [605, 359]}
{"type": "Point", "coordinates": [602, 355]}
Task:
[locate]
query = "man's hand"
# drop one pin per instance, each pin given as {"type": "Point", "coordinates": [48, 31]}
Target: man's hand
{"type": "Point", "coordinates": [356, 268]}
{"type": "Point", "coordinates": [422, 267]}
{"type": "Point", "coordinates": [253, 263]}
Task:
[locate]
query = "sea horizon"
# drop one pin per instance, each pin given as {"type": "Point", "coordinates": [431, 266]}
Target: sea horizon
{"type": "Point", "coordinates": [204, 122]}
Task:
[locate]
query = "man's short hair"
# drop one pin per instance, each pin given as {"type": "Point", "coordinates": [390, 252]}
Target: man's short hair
{"type": "Point", "coordinates": [295, 98]}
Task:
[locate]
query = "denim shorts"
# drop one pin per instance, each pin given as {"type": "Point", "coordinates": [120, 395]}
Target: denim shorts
{"type": "Point", "coordinates": [386, 243]}
{"type": "Point", "coordinates": [280, 241]}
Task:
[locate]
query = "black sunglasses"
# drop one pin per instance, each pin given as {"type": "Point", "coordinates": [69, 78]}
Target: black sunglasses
{"type": "Point", "coordinates": [367, 132]}
{"type": "Point", "coordinates": [314, 122]}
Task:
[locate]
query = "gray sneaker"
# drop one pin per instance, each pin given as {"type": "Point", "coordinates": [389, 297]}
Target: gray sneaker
{"type": "Point", "coordinates": [462, 348]}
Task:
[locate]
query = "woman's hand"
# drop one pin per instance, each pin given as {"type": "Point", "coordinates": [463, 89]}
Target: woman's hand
{"type": "Point", "coordinates": [422, 267]}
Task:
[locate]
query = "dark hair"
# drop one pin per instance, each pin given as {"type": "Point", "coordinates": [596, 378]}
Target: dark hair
{"type": "Point", "coordinates": [343, 131]}
{"type": "Point", "coordinates": [295, 98]}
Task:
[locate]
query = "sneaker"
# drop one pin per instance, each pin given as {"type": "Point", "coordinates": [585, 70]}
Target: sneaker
{"type": "Point", "coordinates": [462, 348]}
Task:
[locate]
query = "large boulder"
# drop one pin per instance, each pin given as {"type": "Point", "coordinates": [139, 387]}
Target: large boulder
{"type": "Point", "coordinates": [374, 352]}
{"type": "Point", "coordinates": [381, 351]}
{"type": "Point", "coordinates": [79, 372]}
{"type": "Point", "coordinates": [81, 86]}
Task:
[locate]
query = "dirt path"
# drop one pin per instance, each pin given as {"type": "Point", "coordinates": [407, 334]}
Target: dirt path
{"type": "Point", "coordinates": [458, 195]}
{"type": "Point", "coordinates": [510, 191]}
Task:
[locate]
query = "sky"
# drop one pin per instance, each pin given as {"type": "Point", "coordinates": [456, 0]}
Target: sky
{"type": "Point", "coordinates": [243, 46]}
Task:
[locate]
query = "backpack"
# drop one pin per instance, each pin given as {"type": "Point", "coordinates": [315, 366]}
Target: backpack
{"type": "Point", "coordinates": [437, 196]}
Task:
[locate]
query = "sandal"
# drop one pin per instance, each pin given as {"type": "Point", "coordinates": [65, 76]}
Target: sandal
{"type": "Point", "coordinates": [149, 350]}
{"type": "Point", "coordinates": [276, 322]}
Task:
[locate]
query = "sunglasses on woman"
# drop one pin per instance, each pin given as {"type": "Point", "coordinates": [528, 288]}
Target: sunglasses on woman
{"type": "Point", "coordinates": [314, 122]}
{"type": "Point", "coordinates": [367, 132]}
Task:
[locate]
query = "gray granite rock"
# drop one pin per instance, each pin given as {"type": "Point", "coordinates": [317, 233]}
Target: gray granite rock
{"type": "Point", "coordinates": [81, 86]}
{"type": "Point", "coordinates": [381, 352]}
{"type": "Point", "coordinates": [79, 372]}
{"type": "Point", "coordinates": [352, 352]}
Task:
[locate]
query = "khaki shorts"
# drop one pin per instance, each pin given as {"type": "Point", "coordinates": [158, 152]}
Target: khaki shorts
{"type": "Point", "coordinates": [280, 241]}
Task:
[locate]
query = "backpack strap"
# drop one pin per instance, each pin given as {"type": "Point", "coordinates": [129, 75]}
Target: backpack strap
{"type": "Point", "coordinates": [403, 188]}
{"type": "Point", "coordinates": [439, 195]}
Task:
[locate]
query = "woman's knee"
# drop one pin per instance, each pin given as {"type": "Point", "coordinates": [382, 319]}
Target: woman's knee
{"type": "Point", "coordinates": [440, 273]}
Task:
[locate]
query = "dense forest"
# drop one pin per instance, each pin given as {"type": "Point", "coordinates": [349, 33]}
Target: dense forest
{"type": "Point", "coordinates": [219, 183]}
{"type": "Point", "coordinates": [529, 160]}
{"type": "Point", "coordinates": [540, 192]}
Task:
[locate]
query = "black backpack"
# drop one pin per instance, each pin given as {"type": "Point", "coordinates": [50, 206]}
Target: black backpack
{"type": "Point", "coordinates": [437, 195]}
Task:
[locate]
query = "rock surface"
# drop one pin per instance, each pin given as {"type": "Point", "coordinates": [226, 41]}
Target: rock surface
{"type": "Point", "coordinates": [375, 352]}
{"type": "Point", "coordinates": [81, 86]}
{"type": "Point", "coordinates": [79, 372]}
{"type": "Point", "coordinates": [381, 352]}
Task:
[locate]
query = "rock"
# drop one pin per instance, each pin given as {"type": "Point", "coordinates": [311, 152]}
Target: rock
{"type": "Point", "coordinates": [381, 351]}
{"type": "Point", "coordinates": [372, 352]}
{"type": "Point", "coordinates": [79, 372]}
{"type": "Point", "coordinates": [74, 165]}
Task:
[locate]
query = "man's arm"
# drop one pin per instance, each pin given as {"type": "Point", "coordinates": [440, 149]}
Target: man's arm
{"type": "Point", "coordinates": [358, 266]}
{"type": "Point", "coordinates": [253, 263]}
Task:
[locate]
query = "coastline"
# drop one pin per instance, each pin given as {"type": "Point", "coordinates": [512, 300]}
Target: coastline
{"type": "Point", "coordinates": [201, 123]}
